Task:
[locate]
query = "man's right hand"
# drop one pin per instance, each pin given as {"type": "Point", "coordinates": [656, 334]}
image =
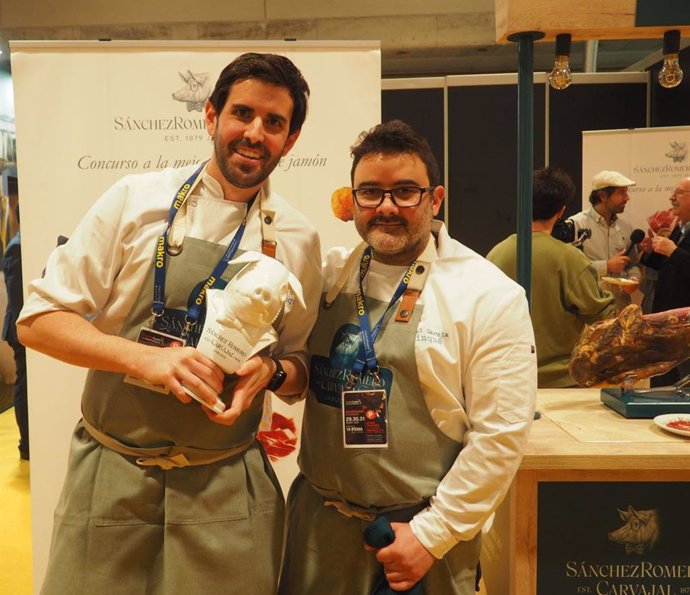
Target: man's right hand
{"type": "Point", "coordinates": [617, 263]}
{"type": "Point", "coordinates": [178, 366]}
{"type": "Point", "coordinates": [71, 338]}
{"type": "Point", "coordinates": [664, 246]}
{"type": "Point", "coordinates": [405, 561]}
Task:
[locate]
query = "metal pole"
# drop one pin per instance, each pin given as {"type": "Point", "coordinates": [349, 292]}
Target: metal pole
{"type": "Point", "coordinates": [525, 158]}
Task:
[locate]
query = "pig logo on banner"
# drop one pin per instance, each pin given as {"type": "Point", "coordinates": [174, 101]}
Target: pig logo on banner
{"type": "Point", "coordinates": [640, 531]}
{"type": "Point", "coordinates": [678, 152]}
{"type": "Point", "coordinates": [196, 90]}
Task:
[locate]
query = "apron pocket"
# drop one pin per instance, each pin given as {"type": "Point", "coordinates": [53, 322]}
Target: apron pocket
{"type": "Point", "coordinates": [207, 493]}
{"type": "Point", "coordinates": [125, 493]}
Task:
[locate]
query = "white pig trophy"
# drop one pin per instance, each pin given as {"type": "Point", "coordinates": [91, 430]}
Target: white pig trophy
{"type": "Point", "coordinates": [239, 318]}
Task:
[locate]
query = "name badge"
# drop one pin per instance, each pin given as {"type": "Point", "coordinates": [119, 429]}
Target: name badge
{"type": "Point", "coordinates": [149, 336]}
{"type": "Point", "coordinates": [365, 418]}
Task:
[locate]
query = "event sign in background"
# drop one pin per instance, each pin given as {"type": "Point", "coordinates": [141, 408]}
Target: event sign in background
{"type": "Point", "coordinates": [655, 158]}
{"type": "Point", "coordinates": [88, 113]}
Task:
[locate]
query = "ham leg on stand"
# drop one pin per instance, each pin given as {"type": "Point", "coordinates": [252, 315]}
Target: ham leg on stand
{"type": "Point", "coordinates": [631, 345]}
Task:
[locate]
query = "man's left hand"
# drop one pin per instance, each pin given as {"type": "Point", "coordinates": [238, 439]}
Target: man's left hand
{"type": "Point", "coordinates": [406, 560]}
{"type": "Point", "coordinates": [254, 375]}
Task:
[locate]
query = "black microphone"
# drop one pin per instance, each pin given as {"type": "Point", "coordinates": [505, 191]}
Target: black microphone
{"type": "Point", "coordinates": [636, 237]}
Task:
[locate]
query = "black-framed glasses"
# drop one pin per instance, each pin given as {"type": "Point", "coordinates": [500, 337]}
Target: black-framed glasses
{"type": "Point", "coordinates": [370, 197]}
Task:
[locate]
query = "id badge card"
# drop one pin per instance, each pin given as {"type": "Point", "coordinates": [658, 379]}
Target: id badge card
{"type": "Point", "coordinates": [149, 336]}
{"type": "Point", "coordinates": [365, 418]}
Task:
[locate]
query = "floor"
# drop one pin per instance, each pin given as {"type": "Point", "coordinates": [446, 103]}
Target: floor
{"type": "Point", "coordinates": [15, 513]}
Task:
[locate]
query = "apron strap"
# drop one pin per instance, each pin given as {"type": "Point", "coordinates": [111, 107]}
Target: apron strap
{"type": "Point", "coordinates": [417, 281]}
{"type": "Point", "coordinates": [166, 457]}
{"type": "Point", "coordinates": [268, 232]}
{"type": "Point", "coordinates": [348, 511]}
{"type": "Point", "coordinates": [399, 513]}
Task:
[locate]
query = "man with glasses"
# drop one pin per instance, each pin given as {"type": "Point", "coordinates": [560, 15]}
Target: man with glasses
{"type": "Point", "coordinates": [422, 391]}
{"type": "Point", "coordinates": [609, 247]}
{"type": "Point", "coordinates": [670, 257]}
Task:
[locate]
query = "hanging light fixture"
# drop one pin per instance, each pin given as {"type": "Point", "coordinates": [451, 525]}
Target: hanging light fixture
{"type": "Point", "coordinates": [671, 74]}
{"type": "Point", "coordinates": [560, 76]}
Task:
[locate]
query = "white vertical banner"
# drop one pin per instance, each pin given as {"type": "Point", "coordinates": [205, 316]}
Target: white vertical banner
{"type": "Point", "coordinates": [655, 158]}
{"type": "Point", "coordinates": [88, 113]}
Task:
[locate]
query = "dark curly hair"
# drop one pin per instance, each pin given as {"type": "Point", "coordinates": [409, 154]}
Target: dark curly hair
{"type": "Point", "coordinates": [393, 138]}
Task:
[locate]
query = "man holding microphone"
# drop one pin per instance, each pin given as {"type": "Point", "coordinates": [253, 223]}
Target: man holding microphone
{"type": "Point", "coordinates": [611, 245]}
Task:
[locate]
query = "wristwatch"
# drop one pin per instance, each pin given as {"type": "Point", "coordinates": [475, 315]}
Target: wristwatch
{"type": "Point", "coordinates": [278, 378]}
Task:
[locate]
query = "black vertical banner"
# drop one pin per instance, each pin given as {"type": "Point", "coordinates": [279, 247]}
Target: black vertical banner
{"type": "Point", "coordinates": [613, 538]}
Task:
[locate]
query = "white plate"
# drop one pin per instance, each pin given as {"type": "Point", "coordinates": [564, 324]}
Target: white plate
{"type": "Point", "coordinates": [620, 281]}
{"type": "Point", "coordinates": [663, 420]}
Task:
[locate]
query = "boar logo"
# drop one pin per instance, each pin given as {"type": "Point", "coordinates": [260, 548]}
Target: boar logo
{"type": "Point", "coordinates": [196, 90]}
{"type": "Point", "coordinates": [678, 152]}
{"type": "Point", "coordinates": [640, 531]}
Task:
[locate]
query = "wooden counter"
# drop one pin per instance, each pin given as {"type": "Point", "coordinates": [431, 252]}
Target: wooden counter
{"type": "Point", "coordinates": [577, 431]}
{"type": "Point", "coordinates": [577, 439]}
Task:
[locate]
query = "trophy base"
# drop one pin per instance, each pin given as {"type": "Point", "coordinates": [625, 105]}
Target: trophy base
{"type": "Point", "coordinates": [644, 405]}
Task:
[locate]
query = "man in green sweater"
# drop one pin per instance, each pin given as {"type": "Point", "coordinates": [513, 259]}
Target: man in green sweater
{"type": "Point", "coordinates": [565, 291]}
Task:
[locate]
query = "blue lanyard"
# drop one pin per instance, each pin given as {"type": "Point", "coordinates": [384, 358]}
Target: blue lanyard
{"type": "Point", "coordinates": [160, 262]}
{"type": "Point", "coordinates": [367, 355]}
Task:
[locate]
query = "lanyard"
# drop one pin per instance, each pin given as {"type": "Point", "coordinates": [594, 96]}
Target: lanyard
{"type": "Point", "coordinates": [367, 355]}
{"type": "Point", "coordinates": [160, 267]}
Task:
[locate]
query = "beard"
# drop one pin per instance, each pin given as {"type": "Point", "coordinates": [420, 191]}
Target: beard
{"type": "Point", "coordinates": [396, 245]}
{"type": "Point", "coordinates": [244, 175]}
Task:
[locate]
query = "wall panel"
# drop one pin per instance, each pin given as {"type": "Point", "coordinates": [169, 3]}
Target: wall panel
{"type": "Point", "coordinates": [482, 160]}
{"type": "Point", "coordinates": [591, 103]}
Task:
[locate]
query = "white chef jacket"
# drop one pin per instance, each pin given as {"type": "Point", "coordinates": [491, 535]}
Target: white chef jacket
{"type": "Point", "coordinates": [477, 367]}
{"type": "Point", "coordinates": [99, 271]}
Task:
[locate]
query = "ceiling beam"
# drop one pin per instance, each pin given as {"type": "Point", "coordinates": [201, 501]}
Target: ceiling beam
{"type": "Point", "coordinates": [583, 19]}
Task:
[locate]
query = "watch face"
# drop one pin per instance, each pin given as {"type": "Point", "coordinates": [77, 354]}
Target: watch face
{"type": "Point", "coordinates": [277, 381]}
{"type": "Point", "coordinates": [278, 378]}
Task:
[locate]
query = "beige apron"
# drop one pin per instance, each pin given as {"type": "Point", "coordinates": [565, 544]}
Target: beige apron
{"type": "Point", "coordinates": [325, 547]}
{"type": "Point", "coordinates": [127, 525]}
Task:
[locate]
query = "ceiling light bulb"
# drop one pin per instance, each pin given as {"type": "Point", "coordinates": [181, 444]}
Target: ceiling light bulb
{"type": "Point", "coordinates": [560, 76]}
{"type": "Point", "coordinates": [671, 74]}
